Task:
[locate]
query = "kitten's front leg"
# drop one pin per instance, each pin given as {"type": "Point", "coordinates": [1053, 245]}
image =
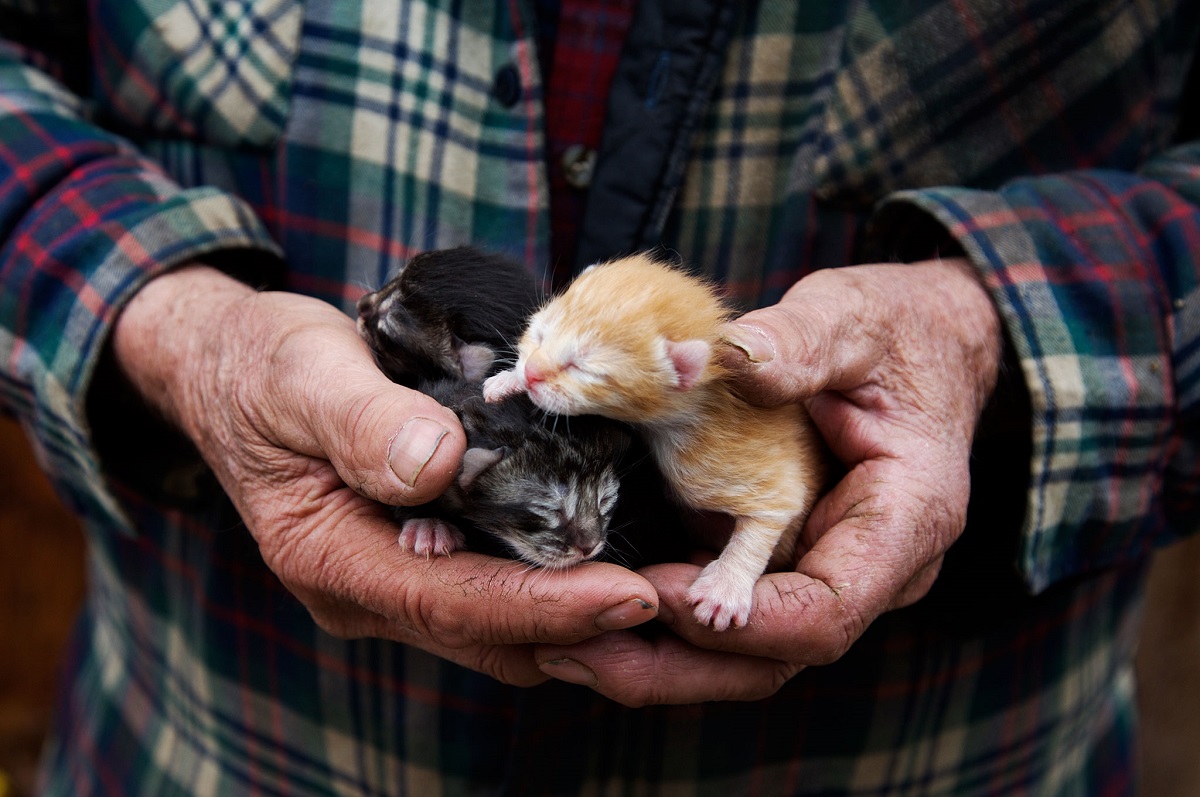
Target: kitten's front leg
{"type": "Point", "coordinates": [431, 537]}
{"type": "Point", "coordinates": [723, 595]}
{"type": "Point", "coordinates": [502, 385]}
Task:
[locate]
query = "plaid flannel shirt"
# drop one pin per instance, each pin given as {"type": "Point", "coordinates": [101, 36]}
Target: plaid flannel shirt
{"type": "Point", "coordinates": [1040, 138]}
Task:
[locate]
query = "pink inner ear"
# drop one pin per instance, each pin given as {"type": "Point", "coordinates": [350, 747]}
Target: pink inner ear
{"type": "Point", "coordinates": [475, 360]}
{"type": "Point", "coordinates": [689, 359]}
{"type": "Point", "coordinates": [476, 461]}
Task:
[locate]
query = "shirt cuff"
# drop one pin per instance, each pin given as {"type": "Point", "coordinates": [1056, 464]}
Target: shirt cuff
{"type": "Point", "coordinates": [52, 364]}
{"type": "Point", "coordinates": [1090, 346]}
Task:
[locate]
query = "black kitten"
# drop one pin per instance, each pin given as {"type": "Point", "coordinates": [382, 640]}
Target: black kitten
{"type": "Point", "coordinates": [447, 314]}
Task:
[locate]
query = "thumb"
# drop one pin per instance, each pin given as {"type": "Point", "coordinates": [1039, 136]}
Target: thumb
{"type": "Point", "coordinates": [403, 448]}
{"type": "Point", "coordinates": [252, 377]}
{"type": "Point", "coordinates": [387, 442]}
{"type": "Point", "coordinates": [816, 338]}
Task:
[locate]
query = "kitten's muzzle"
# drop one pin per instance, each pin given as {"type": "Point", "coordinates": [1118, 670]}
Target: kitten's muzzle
{"type": "Point", "coordinates": [534, 372]}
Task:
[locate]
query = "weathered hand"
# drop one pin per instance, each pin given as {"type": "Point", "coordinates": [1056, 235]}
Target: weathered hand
{"type": "Point", "coordinates": [895, 363]}
{"type": "Point", "coordinates": [285, 403]}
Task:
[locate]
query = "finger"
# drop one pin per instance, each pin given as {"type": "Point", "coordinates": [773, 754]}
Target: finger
{"type": "Point", "coordinates": [636, 671]}
{"type": "Point", "coordinates": [509, 664]}
{"type": "Point", "coordinates": [820, 336]}
{"type": "Point", "coordinates": [472, 598]}
{"type": "Point", "coordinates": [871, 545]}
{"type": "Point", "coordinates": [345, 553]}
{"type": "Point", "coordinates": [877, 539]}
{"type": "Point", "coordinates": [795, 618]}
{"type": "Point", "coordinates": [391, 444]}
{"type": "Point", "coordinates": [918, 587]}
{"type": "Point", "coordinates": [387, 442]}
{"type": "Point", "coordinates": [836, 326]}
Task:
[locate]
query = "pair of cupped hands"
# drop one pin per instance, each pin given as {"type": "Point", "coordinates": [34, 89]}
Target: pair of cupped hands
{"type": "Point", "coordinates": [282, 398]}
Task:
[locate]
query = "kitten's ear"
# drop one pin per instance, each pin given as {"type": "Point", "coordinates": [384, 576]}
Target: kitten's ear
{"type": "Point", "coordinates": [689, 358]}
{"type": "Point", "coordinates": [476, 461]}
{"type": "Point", "coordinates": [476, 360]}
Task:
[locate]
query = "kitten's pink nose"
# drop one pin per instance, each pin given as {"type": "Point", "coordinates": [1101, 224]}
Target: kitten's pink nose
{"type": "Point", "coordinates": [534, 373]}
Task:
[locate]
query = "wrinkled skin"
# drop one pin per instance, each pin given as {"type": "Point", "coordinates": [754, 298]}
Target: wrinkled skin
{"type": "Point", "coordinates": [285, 403]}
{"type": "Point", "coordinates": [895, 364]}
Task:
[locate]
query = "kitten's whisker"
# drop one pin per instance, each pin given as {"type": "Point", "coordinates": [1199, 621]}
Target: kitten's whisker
{"type": "Point", "coordinates": [620, 557]}
{"type": "Point", "coordinates": [628, 469]}
{"type": "Point", "coordinates": [538, 576]}
{"type": "Point", "coordinates": [543, 291]}
{"type": "Point", "coordinates": [622, 527]}
{"type": "Point", "coordinates": [617, 552]}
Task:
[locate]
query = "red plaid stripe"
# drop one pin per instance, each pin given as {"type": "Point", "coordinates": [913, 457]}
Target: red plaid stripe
{"type": "Point", "coordinates": [584, 57]}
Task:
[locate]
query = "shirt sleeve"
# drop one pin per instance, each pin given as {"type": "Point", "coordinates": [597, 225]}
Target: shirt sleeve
{"type": "Point", "coordinates": [85, 221]}
{"type": "Point", "coordinates": [1096, 276]}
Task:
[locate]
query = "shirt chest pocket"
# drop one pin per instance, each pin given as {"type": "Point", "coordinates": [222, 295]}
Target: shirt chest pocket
{"type": "Point", "coordinates": [215, 71]}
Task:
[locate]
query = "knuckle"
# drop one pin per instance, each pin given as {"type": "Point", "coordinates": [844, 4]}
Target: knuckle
{"type": "Point", "coordinates": [431, 617]}
{"type": "Point", "coordinates": [831, 646]}
{"type": "Point", "coordinates": [635, 676]}
{"type": "Point", "coordinates": [336, 626]}
{"type": "Point", "coordinates": [774, 679]}
{"type": "Point", "coordinates": [509, 665]}
{"type": "Point", "coordinates": [829, 639]}
{"type": "Point", "coordinates": [484, 604]}
{"type": "Point", "coordinates": [641, 690]}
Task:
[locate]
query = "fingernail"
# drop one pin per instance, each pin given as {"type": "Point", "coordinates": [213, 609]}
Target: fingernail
{"type": "Point", "coordinates": [625, 615]}
{"type": "Point", "coordinates": [570, 671]}
{"type": "Point", "coordinates": [413, 446]}
{"type": "Point", "coordinates": [757, 347]}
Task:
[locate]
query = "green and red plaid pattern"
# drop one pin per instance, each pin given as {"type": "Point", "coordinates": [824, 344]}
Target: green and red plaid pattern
{"type": "Point", "coordinates": [1036, 136]}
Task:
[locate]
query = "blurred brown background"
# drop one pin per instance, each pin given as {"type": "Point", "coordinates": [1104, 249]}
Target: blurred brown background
{"type": "Point", "coordinates": [1169, 674]}
{"type": "Point", "coordinates": [41, 584]}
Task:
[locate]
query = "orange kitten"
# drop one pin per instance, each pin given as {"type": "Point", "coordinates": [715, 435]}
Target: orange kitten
{"type": "Point", "coordinates": [633, 340]}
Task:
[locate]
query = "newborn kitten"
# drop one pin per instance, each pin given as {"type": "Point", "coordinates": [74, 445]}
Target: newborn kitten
{"type": "Point", "coordinates": [546, 497]}
{"type": "Point", "coordinates": [446, 315]}
{"type": "Point", "coordinates": [633, 340]}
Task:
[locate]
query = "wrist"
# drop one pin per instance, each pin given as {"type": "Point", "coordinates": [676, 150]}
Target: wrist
{"type": "Point", "coordinates": [966, 297]}
{"type": "Point", "coordinates": [167, 333]}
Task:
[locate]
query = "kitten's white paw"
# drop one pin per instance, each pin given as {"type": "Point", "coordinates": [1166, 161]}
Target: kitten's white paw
{"type": "Point", "coordinates": [721, 598]}
{"type": "Point", "coordinates": [502, 385]}
{"type": "Point", "coordinates": [431, 537]}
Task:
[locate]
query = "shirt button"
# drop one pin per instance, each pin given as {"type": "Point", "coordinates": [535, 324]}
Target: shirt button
{"type": "Point", "coordinates": [578, 163]}
{"type": "Point", "coordinates": [506, 86]}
